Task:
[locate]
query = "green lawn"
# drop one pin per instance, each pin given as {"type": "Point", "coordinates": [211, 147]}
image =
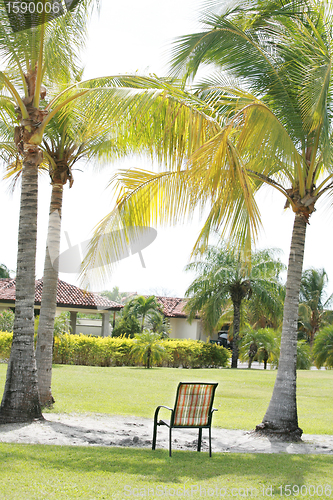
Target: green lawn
{"type": "Point", "coordinates": [35, 472]}
{"type": "Point", "coordinates": [60, 473]}
{"type": "Point", "coordinates": [242, 396]}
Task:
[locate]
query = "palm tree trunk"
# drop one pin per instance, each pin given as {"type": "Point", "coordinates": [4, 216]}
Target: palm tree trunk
{"type": "Point", "coordinates": [49, 299]}
{"type": "Point", "coordinates": [281, 416]}
{"type": "Point", "coordinates": [20, 402]}
{"type": "Point", "coordinates": [234, 359]}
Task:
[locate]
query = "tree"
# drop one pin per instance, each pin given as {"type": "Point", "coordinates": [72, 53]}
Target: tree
{"type": "Point", "coordinates": [323, 348]}
{"type": "Point", "coordinates": [278, 121]}
{"type": "Point", "coordinates": [223, 274]}
{"type": "Point", "coordinates": [158, 323]}
{"type": "Point", "coordinates": [33, 55]}
{"type": "Point", "coordinates": [263, 118]}
{"type": "Point", "coordinates": [4, 271]}
{"type": "Point", "coordinates": [141, 306]}
{"type": "Point", "coordinates": [66, 141]}
{"type": "Point", "coordinates": [260, 344]}
{"type": "Point", "coordinates": [148, 348]}
{"type": "Point", "coordinates": [313, 307]}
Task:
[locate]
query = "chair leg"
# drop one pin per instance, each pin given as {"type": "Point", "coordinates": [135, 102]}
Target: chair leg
{"type": "Point", "coordinates": [210, 441]}
{"type": "Point", "coordinates": [199, 439]}
{"type": "Point", "coordinates": [170, 439]}
{"type": "Point", "coordinates": [154, 436]}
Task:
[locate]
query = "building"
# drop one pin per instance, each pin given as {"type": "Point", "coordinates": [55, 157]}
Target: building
{"type": "Point", "coordinates": [69, 298]}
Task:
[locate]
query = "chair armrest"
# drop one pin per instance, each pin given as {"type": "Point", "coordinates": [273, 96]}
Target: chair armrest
{"type": "Point", "coordinates": [214, 409]}
{"type": "Point", "coordinates": [158, 409]}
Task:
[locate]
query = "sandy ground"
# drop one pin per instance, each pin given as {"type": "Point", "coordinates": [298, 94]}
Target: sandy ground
{"type": "Point", "coordinates": [104, 430]}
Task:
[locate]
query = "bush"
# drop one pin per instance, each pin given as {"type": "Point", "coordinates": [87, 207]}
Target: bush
{"type": "Point", "coordinates": [323, 348]}
{"type": "Point", "coordinates": [118, 351]}
{"type": "Point", "coordinates": [7, 321]}
{"type": "Point", "coordinates": [195, 354]}
{"type": "Point", "coordinates": [6, 340]}
{"type": "Point", "coordinates": [303, 355]}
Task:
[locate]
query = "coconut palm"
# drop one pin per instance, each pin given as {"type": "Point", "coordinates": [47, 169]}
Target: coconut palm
{"type": "Point", "coordinates": [263, 118]}
{"type": "Point", "coordinates": [222, 274]}
{"type": "Point", "coordinates": [313, 306]}
{"type": "Point", "coordinates": [278, 119]}
{"type": "Point", "coordinates": [33, 56]}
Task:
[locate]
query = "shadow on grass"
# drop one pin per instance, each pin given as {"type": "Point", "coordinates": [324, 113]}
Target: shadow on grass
{"type": "Point", "coordinates": [157, 466]}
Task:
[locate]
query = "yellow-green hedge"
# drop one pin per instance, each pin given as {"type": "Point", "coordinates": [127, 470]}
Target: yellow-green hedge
{"type": "Point", "coordinates": [116, 351]}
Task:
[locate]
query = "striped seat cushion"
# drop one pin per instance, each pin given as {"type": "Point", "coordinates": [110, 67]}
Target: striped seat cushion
{"type": "Point", "coordinates": [193, 404]}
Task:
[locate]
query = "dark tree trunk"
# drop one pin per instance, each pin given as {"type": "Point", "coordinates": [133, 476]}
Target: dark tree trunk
{"type": "Point", "coordinates": [281, 416]}
{"type": "Point", "coordinates": [49, 299]}
{"type": "Point", "coordinates": [20, 402]}
{"type": "Point", "coordinates": [235, 348]}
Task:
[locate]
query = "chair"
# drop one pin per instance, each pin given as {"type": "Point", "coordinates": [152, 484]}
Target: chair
{"type": "Point", "coordinates": [193, 409]}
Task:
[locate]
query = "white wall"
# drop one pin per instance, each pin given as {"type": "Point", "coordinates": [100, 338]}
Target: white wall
{"type": "Point", "coordinates": [182, 329]}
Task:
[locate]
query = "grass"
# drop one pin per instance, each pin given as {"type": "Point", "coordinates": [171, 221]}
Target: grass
{"type": "Point", "coordinates": [35, 472]}
{"type": "Point", "coordinates": [242, 396]}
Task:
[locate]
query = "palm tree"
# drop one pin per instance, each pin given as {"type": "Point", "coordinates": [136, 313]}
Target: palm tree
{"type": "Point", "coordinates": [260, 344]}
{"type": "Point", "coordinates": [223, 274]}
{"type": "Point", "coordinates": [33, 55]}
{"type": "Point", "coordinates": [278, 120]}
{"type": "Point", "coordinates": [263, 118]}
{"type": "Point", "coordinates": [148, 348]}
{"type": "Point", "coordinates": [141, 306]}
{"type": "Point", "coordinates": [313, 307]}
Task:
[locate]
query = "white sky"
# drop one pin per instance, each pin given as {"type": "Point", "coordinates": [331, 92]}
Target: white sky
{"type": "Point", "coordinates": [128, 37]}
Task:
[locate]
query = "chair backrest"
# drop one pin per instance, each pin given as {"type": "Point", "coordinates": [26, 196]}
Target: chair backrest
{"type": "Point", "coordinates": [194, 401]}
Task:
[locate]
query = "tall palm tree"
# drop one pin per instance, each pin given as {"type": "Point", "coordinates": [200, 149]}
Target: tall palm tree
{"type": "Point", "coordinates": [33, 56]}
{"type": "Point", "coordinates": [313, 305]}
{"type": "Point", "coordinates": [223, 274]}
{"type": "Point", "coordinates": [278, 119]}
{"type": "Point", "coordinates": [65, 142]}
{"type": "Point", "coordinates": [263, 118]}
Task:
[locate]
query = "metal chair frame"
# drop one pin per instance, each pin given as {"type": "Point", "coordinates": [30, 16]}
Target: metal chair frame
{"type": "Point", "coordinates": [206, 425]}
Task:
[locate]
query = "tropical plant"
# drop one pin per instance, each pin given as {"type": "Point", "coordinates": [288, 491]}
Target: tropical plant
{"type": "Point", "coordinates": [278, 127]}
{"type": "Point", "coordinates": [148, 348]}
{"type": "Point", "coordinates": [313, 306]}
{"type": "Point", "coordinates": [323, 348]}
{"type": "Point", "coordinates": [304, 360]}
{"type": "Point", "coordinates": [223, 274]}
{"type": "Point", "coordinates": [142, 306]}
{"type": "Point", "coordinates": [259, 344]}
{"type": "Point", "coordinates": [4, 271]}
{"type": "Point", "coordinates": [33, 56]}
{"type": "Point", "coordinates": [7, 321]}
{"type": "Point", "coordinates": [158, 323]}
{"type": "Point", "coordinates": [263, 118]}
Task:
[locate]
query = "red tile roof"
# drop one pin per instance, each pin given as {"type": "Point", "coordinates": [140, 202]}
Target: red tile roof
{"type": "Point", "coordinates": [172, 307]}
{"type": "Point", "coordinates": [67, 296]}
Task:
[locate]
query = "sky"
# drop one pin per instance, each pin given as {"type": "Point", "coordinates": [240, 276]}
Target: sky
{"type": "Point", "coordinates": [132, 37]}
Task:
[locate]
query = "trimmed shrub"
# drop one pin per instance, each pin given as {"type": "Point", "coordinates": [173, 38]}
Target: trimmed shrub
{"type": "Point", "coordinates": [6, 339]}
{"type": "Point", "coordinates": [7, 320]}
{"type": "Point", "coordinates": [118, 351]}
